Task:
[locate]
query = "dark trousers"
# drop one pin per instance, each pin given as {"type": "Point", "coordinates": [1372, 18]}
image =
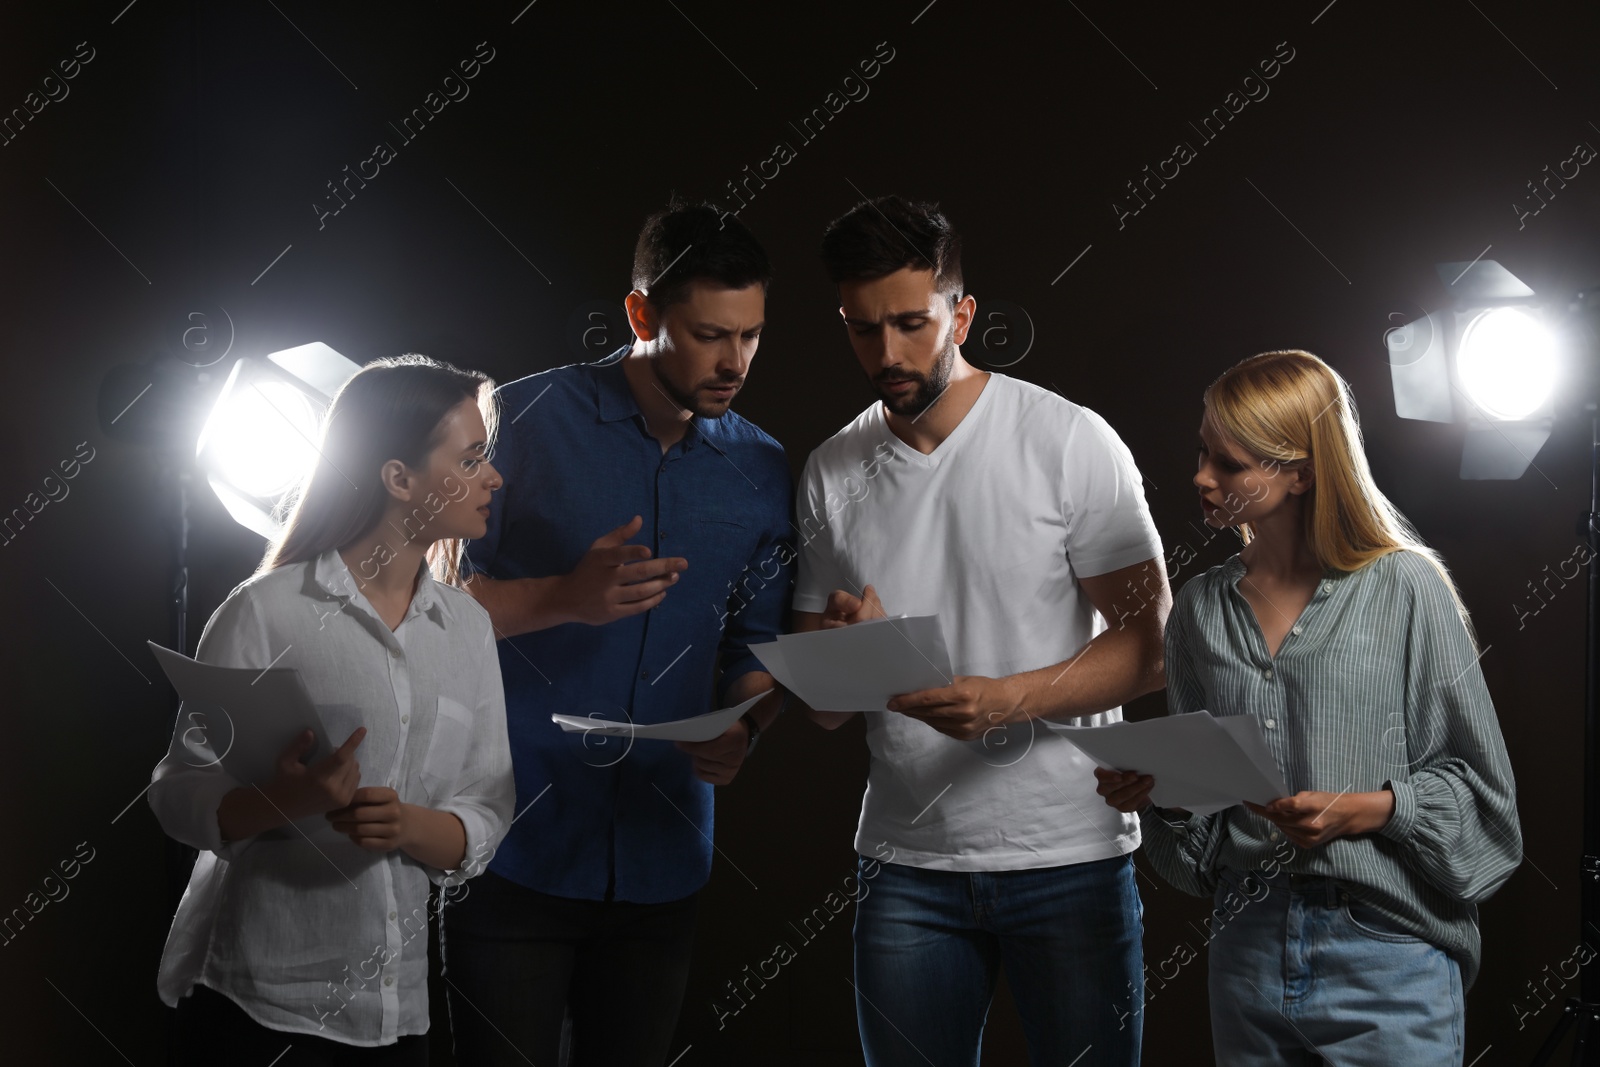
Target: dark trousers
{"type": "Point", "coordinates": [212, 1029]}
{"type": "Point", "coordinates": [516, 962]}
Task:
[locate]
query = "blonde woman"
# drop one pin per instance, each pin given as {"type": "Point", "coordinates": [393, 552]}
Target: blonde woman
{"type": "Point", "coordinates": [303, 934]}
{"type": "Point", "coordinates": [1345, 928]}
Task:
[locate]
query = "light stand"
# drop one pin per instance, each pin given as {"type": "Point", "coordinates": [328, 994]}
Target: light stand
{"type": "Point", "coordinates": [1583, 1010]}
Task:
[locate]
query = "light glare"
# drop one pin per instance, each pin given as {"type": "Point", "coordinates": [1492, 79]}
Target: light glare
{"type": "Point", "coordinates": [1507, 363]}
{"type": "Point", "coordinates": [262, 436]}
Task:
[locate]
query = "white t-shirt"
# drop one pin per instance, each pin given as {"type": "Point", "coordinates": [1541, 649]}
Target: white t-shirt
{"type": "Point", "coordinates": [991, 532]}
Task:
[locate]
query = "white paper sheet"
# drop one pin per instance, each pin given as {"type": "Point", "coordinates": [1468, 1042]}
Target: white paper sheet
{"type": "Point", "coordinates": [1200, 763]}
{"type": "Point", "coordinates": [858, 668]}
{"type": "Point", "coordinates": [247, 716]}
{"type": "Point", "coordinates": [695, 728]}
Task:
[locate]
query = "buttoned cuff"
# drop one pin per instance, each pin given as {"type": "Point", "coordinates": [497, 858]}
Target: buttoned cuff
{"type": "Point", "coordinates": [1398, 828]}
{"type": "Point", "coordinates": [1171, 818]}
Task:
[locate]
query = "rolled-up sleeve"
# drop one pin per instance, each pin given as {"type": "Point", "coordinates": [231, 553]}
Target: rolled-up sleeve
{"type": "Point", "coordinates": [485, 793]}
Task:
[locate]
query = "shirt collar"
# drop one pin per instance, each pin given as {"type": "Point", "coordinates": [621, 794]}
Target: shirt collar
{"type": "Point", "coordinates": [612, 396]}
{"type": "Point", "coordinates": [1235, 569]}
{"type": "Point", "coordinates": [332, 575]}
{"type": "Point", "coordinates": [614, 401]}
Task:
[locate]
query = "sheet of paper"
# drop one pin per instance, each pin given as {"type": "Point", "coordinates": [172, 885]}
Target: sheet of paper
{"type": "Point", "coordinates": [245, 716]}
{"type": "Point", "coordinates": [771, 658]}
{"type": "Point", "coordinates": [858, 668]}
{"type": "Point", "coordinates": [1200, 763]}
{"type": "Point", "coordinates": [696, 728]}
{"type": "Point", "coordinates": [1247, 733]}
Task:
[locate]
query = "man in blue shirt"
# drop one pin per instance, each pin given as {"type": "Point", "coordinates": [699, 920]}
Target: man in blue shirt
{"type": "Point", "coordinates": [639, 545]}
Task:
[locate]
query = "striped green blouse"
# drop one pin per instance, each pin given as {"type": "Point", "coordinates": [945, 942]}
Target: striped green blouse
{"type": "Point", "coordinates": [1375, 686]}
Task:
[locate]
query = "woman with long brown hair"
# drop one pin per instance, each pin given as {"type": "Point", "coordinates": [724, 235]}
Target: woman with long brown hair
{"type": "Point", "coordinates": [1345, 924]}
{"type": "Point", "coordinates": [305, 919]}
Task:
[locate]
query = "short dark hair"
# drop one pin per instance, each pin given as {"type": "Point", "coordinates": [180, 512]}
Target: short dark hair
{"type": "Point", "coordinates": [888, 233]}
{"type": "Point", "coordinates": [686, 243]}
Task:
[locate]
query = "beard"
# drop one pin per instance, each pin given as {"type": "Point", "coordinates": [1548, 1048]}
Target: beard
{"type": "Point", "coordinates": [701, 407]}
{"type": "Point", "coordinates": [930, 387]}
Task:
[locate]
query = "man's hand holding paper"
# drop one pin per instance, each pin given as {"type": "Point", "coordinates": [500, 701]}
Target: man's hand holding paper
{"type": "Point", "coordinates": [966, 709]}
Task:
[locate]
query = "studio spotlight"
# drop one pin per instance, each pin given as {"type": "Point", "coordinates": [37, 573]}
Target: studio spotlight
{"type": "Point", "coordinates": [1491, 362]}
{"type": "Point", "coordinates": [1498, 361]}
{"type": "Point", "coordinates": [261, 434]}
{"type": "Point", "coordinates": [1507, 363]}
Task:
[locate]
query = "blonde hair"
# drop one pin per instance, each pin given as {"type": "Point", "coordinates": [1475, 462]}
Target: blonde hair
{"type": "Point", "coordinates": [1288, 410]}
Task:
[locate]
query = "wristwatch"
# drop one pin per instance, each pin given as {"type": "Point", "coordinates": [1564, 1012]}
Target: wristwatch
{"type": "Point", "coordinates": [754, 727]}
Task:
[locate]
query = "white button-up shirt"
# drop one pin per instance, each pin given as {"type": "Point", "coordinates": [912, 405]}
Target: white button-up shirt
{"type": "Point", "coordinates": [303, 929]}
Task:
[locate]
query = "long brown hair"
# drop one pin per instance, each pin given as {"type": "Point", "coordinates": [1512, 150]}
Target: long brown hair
{"type": "Point", "coordinates": [391, 408]}
{"type": "Point", "coordinates": [1289, 409]}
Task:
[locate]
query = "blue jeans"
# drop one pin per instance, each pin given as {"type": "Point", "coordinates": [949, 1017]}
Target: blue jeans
{"type": "Point", "coordinates": [1302, 973]}
{"type": "Point", "coordinates": [930, 946]}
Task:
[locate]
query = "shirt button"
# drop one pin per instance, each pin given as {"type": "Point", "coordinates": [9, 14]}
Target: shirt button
{"type": "Point", "coordinates": [394, 651]}
{"type": "Point", "coordinates": [393, 915]}
{"type": "Point", "coordinates": [404, 719]}
{"type": "Point", "coordinates": [644, 675]}
{"type": "Point", "coordinates": [1296, 630]}
{"type": "Point", "coordinates": [389, 980]}
{"type": "Point", "coordinates": [1267, 673]}
{"type": "Point", "coordinates": [1274, 835]}
{"type": "Point", "coordinates": [1269, 723]}
{"type": "Point", "coordinates": [1327, 587]}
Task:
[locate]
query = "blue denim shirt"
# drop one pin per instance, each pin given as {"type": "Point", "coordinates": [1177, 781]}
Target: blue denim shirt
{"type": "Point", "coordinates": [617, 818]}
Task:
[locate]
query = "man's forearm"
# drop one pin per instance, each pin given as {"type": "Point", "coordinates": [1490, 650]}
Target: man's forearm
{"type": "Point", "coordinates": [1109, 671]}
{"type": "Point", "coordinates": [519, 605]}
{"type": "Point", "coordinates": [748, 685]}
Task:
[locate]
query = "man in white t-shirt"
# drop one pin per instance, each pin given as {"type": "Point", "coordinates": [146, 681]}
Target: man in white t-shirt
{"type": "Point", "coordinates": [1019, 519]}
